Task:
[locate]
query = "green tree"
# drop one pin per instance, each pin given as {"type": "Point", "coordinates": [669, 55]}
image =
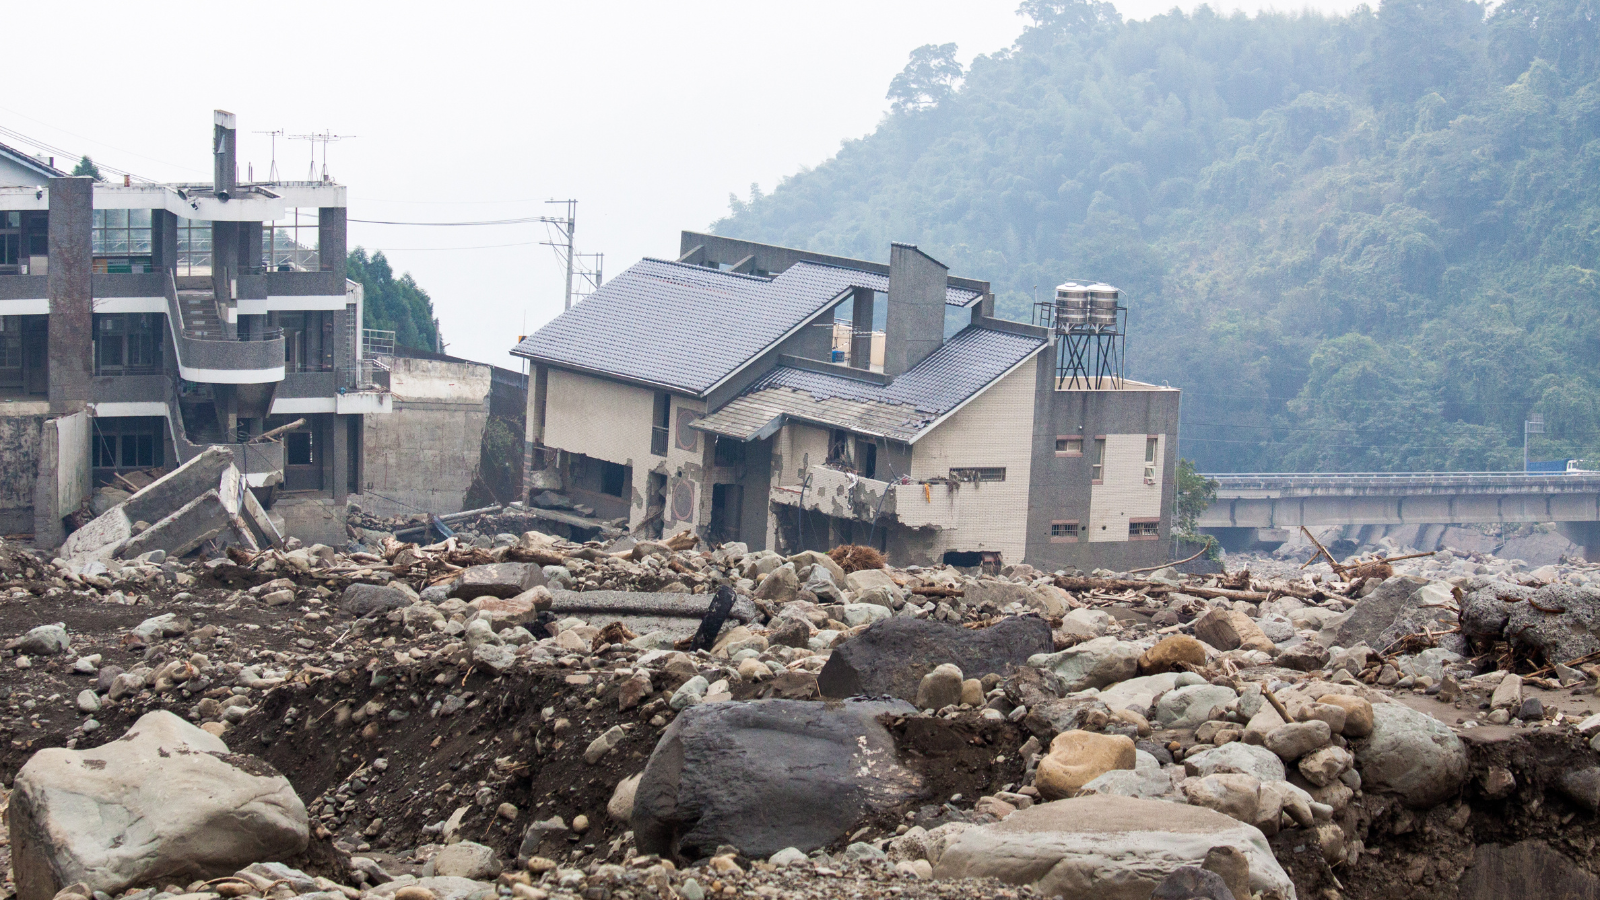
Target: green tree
{"type": "Point", "coordinates": [1195, 493]}
{"type": "Point", "coordinates": [87, 167]}
{"type": "Point", "coordinates": [393, 304]}
{"type": "Point", "coordinates": [927, 80]}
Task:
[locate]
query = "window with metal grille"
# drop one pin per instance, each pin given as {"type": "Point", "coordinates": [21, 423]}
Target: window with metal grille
{"type": "Point", "coordinates": [979, 473]}
{"type": "Point", "coordinates": [1069, 446]}
{"type": "Point", "coordinates": [1064, 531]}
{"type": "Point", "coordinates": [1144, 529]}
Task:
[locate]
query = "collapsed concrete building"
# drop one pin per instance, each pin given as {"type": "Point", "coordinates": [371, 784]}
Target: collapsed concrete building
{"type": "Point", "coordinates": [709, 392]}
{"type": "Point", "coordinates": [142, 323]}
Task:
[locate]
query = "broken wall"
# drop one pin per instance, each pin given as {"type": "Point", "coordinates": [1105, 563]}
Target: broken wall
{"type": "Point", "coordinates": [421, 456]}
{"type": "Point", "coordinates": [64, 478]}
{"type": "Point", "coordinates": [994, 430]}
{"type": "Point", "coordinates": [19, 469]}
{"type": "Point", "coordinates": [611, 421]}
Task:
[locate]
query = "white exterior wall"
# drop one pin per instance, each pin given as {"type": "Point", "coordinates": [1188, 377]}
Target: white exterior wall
{"type": "Point", "coordinates": [1123, 493]}
{"type": "Point", "coordinates": [994, 429]}
{"type": "Point", "coordinates": [601, 419]}
{"type": "Point", "coordinates": [612, 421]}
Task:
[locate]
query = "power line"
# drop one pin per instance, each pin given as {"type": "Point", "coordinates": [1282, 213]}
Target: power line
{"type": "Point", "coordinates": [444, 202]}
{"type": "Point", "coordinates": [432, 249]}
{"type": "Point", "coordinates": [66, 154]}
{"type": "Point", "coordinates": [92, 141]}
{"type": "Point", "coordinates": [525, 220]}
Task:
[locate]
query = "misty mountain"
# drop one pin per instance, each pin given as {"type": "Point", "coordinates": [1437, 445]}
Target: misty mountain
{"type": "Point", "coordinates": [1357, 243]}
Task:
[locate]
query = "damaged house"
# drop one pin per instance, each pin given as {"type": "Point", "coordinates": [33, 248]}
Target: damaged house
{"type": "Point", "coordinates": [710, 393]}
{"type": "Point", "coordinates": [143, 323]}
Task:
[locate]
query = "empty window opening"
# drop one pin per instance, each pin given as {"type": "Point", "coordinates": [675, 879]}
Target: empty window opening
{"type": "Point", "coordinates": [963, 559]}
{"type": "Point", "coordinates": [298, 449]}
{"type": "Point", "coordinates": [866, 458]}
{"type": "Point", "coordinates": [729, 453]}
{"type": "Point", "coordinates": [613, 479]}
{"type": "Point", "coordinates": [839, 449]}
{"type": "Point", "coordinates": [1098, 463]}
{"type": "Point", "coordinates": [1069, 446]}
{"type": "Point", "coordinates": [128, 443]}
{"type": "Point", "coordinates": [979, 473]}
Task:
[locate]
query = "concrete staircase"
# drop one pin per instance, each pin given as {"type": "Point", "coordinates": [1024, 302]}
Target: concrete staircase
{"type": "Point", "coordinates": [200, 319]}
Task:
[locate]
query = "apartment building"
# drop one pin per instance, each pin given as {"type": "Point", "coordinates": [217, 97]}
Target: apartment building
{"type": "Point", "coordinates": [712, 392]}
{"type": "Point", "coordinates": [141, 323]}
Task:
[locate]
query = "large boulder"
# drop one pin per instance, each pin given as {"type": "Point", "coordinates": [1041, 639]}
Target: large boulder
{"type": "Point", "coordinates": [165, 803]}
{"type": "Point", "coordinates": [1229, 629]}
{"type": "Point", "coordinates": [890, 657]}
{"type": "Point", "coordinates": [1187, 707]}
{"type": "Point", "coordinates": [1399, 606]}
{"type": "Point", "coordinates": [366, 600]}
{"type": "Point", "coordinates": [1412, 755]}
{"type": "Point", "coordinates": [1079, 757]}
{"type": "Point", "coordinates": [768, 774]}
{"type": "Point", "coordinates": [1106, 848]}
{"type": "Point", "coordinates": [1092, 664]}
{"type": "Point", "coordinates": [1555, 623]}
{"type": "Point", "coordinates": [506, 579]}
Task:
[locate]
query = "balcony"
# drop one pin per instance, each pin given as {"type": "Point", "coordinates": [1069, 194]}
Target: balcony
{"type": "Point", "coordinates": [841, 494]}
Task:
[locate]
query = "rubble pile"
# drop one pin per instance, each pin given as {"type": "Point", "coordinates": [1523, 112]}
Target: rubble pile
{"type": "Point", "coordinates": [534, 717]}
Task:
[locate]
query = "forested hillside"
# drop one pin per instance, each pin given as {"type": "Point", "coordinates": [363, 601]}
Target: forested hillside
{"type": "Point", "coordinates": [1357, 243]}
{"type": "Point", "coordinates": [393, 304]}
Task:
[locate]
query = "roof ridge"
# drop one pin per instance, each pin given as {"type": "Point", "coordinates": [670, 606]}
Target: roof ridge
{"type": "Point", "coordinates": [707, 269]}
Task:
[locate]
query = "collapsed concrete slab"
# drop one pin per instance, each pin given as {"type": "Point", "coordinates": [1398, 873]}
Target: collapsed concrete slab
{"type": "Point", "coordinates": [202, 499]}
{"type": "Point", "coordinates": [678, 614]}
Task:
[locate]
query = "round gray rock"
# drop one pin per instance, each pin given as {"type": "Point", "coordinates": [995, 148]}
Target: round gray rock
{"type": "Point", "coordinates": [1412, 755]}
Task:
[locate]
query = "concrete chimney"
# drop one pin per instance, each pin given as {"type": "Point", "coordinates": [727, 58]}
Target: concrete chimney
{"type": "Point", "coordinates": [915, 319]}
{"type": "Point", "coordinates": [224, 149]}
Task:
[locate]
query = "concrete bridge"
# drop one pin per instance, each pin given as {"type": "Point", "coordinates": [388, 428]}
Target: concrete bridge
{"type": "Point", "coordinates": [1260, 508]}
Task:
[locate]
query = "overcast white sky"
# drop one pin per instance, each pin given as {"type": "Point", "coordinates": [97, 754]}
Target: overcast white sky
{"type": "Point", "coordinates": [648, 113]}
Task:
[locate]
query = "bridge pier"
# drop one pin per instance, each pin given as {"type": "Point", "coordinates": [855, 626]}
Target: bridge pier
{"type": "Point", "coordinates": [1585, 535]}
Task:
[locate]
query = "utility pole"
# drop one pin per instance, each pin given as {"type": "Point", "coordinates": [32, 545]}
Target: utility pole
{"type": "Point", "coordinates": [1533, 425]}
{"type": "Point", "coordinates": [566, 249]}
{"type": "Point", "coordinates": [568, 226]}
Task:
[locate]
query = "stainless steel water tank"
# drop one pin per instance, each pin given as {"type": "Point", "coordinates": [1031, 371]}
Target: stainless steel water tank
{"type": "Point", "coordinates": [1072, 304]}
{"type": "Point", "coordinates": [1102, 305]}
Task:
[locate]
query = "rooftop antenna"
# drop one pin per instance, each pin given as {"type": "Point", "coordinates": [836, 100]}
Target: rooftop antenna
{"type": "Point", "coordinates": [272, 173]}
{"type": "Point", "coordinates": [325, 138]}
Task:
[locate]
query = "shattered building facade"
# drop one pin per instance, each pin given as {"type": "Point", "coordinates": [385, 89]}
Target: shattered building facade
{"type": "Point", "coordinates": [709, 393]}
{"type": "Point", "coordinates": [142, 323]}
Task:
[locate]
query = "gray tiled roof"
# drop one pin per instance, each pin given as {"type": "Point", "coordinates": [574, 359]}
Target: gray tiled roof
{"type": "Point", "coordinates": [966, 364]}
{"type": "Point", "coordinates": [688, 327]}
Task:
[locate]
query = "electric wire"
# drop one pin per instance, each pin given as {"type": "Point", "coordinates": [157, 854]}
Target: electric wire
{"type": "Point", "coordinates": [524, 220]}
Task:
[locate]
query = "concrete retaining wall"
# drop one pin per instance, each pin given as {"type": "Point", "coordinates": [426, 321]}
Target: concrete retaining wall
{"type": "Point", "coordinates": [421, 456]}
